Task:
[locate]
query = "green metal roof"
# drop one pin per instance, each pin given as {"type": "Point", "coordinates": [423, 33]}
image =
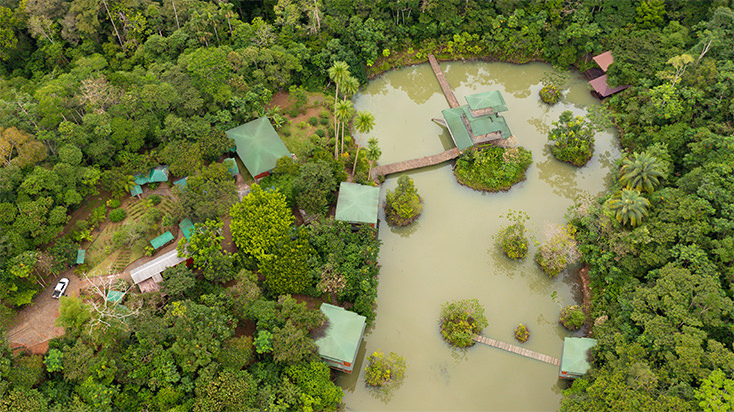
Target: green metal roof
{"type": "Point", "coordinates": [574, 359]}
{"type": "Point", "coordinates": [180, 182]}
{"type": "Point", "coordinates": [456, 127]}
{"type": "Point", "coordinates": [231, 165]}
{"type": "Point", "coordinates": [158, 174]}
{"type": "Point", "coordinates": [140, 179]}
{"type": "Point", "coordinates": [343, 335]}
{"type": "Point", "coordinates": [357, 203]}
{"type": "Point", "coordinates": [162, 240]}
{"type": "Point", "coordinates": [186, 227]}
{"type": "Point", "coordinates": [258, 145]}
{"type": "Point", "coordinates": [80, 255]}
{"type": "Point", "coordinates": [487, 100]}
{"type": "Point", "coordinates": [115, 296]}
{"type": "Point", "coordinates": [136, 190]}
{"type": "Point", "coordinates": [487, 124]}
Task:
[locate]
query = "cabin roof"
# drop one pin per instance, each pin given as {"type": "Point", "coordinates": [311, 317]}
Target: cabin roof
{"type": "Point", "coordinates": [487, 100]}
{"type": "Point", "coordinates": [343, 334]}
{"type": "Point", "coordinates": [258, 145]}
{"type": "Point", "coordinates": [601, 86]}
{"type": "Point", "coordinates": [604, 60]}
{"type": "Point", "coordinates": [357, 203]}
{"type": "Point", "coordinates": [575, 354]}
{"type": "Point", "coordinates": [155, 266]}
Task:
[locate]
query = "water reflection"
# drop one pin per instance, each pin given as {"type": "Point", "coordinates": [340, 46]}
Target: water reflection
{"type": "Point", "coordinates": [449, 252]}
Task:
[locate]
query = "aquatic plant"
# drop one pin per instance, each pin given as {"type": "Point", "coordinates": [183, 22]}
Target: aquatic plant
{"type": "Point", "coordinates": [460, 320]}
{"type": "Point", "coordinates": [383, 370]}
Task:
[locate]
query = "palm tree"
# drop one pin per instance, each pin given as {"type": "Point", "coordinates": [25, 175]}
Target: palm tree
{"type": "Point", "coordinates": [338, 73]}
{"type": "Point", "coordinates": [641, 171]}
{"type": "Point", "coordinates": [364, 122]}
{"type": "Point", "coordinates": [628, 206]}
{"type": "Point", "coordinates": [372, 152]}
{"type": "Point", "coordinates": [343, 111]}
{"type": "Point", "coordinates": [128, 183]}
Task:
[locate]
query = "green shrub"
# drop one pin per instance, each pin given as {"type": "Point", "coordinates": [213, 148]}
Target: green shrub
{"type": "Point", "coordinates": [403, 205]}
{"type": "Point", "coordinates": [460, 320]}
{"type": "Point", "coordinates": [572, 317]}
{"type": "Point", "coordinates": [550, 95]}
{"type": "Point", "coordinates": [324, 114]}
{"type": "Point", "coordinates": [522, 333]}
{"type": "Point", "coordinates": [301, 125]}
{"type": "Point", "coordinates": [323, 121]}
{"type": "Point", "coordinates": [383, 370]}
{"type": "Point", "coordinates": [292, 112]}
{"type": "Point", "coordinates": [286, 131]}
{"type": "Point", "coordinates": [572, 139]}
{"type": "Point", "coordinates": [155, 199]}
{"type": "Point", "coordinates": [493, 168]}
{"type": "Point", "coordinates": [313, 121]}
{"type": "Point", "coordinates": [512, 239]}
{"type": "Point", "coordinates": [113, 203]}
{"type": "Point", "coordinates": [117, 215]}
{"type": "Point", "coordinates": [321, 133]}
{"type": "Point", "coordinates": [558, 250]}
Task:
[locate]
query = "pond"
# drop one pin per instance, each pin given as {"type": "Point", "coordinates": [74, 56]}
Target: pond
{"type": "Point", "coordinates": [449, 253]}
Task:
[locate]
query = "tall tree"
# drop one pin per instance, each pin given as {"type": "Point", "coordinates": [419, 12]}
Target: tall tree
{"type": "Point", "coordinates": [260, 222]}
{"type": "Point", "coordinates": [641, 171]}
{"type": "Point", "coordinates": [338, 72]}
{"type": "Point", "coordinates": [364, 122]}
{"type": "Point", "coordinates": [373, 152]}
{"type": "Point", "coordinates": [343, 111]}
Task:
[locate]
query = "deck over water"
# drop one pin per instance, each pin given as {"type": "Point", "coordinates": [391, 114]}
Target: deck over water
{"type": "Point", "coordinates": [416, 163]}
{"type": "Point", "coordinates": [453, 102]}
{"type": "Point", "coordinates": [518, 350]}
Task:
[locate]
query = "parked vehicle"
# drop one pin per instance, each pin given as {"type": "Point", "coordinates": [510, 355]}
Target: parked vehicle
{"type": "Point", "coordinates": [60, 288]}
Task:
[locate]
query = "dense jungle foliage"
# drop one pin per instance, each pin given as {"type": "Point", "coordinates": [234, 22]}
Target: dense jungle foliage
{"type": "Point", "coordinates": [94, 92]}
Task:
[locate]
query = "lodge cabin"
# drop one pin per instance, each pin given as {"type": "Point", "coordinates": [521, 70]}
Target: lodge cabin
{"type": "Point", "coordinates": [598, 77]}
{"type": "Point", "coordinates": [575, 357]}
{"type": "Point", "coordinates": [258, 146]}
{"type": "Point", "coordinates": [339, 345]}
{"type": "Point", "coordinates": [358, 204]}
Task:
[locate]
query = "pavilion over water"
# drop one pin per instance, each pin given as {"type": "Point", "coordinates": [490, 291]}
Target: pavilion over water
{"type": "Point", "coordinates": [478, 121]}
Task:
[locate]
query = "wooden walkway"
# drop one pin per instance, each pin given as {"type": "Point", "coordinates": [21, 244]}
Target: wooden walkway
{"type": "Point", "coordinates": [442, 82]}
{"type": "Point", "coordinates": [518, 350]}
{"type": "Point", "coordinates": [416, 163]}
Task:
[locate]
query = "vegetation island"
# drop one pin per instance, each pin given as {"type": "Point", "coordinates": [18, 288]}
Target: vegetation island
{"type": "Point", "coordinates": [198, 175]}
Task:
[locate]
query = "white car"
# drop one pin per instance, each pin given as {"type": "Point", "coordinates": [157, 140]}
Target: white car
{"type": "Point", "coordinates": [60, 288]}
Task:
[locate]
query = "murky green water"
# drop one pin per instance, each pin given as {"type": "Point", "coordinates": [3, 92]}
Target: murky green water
{"type": "Point", "coordinates": [449, 254]}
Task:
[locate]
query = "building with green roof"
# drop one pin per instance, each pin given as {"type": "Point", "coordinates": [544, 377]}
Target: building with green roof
{"type": "Point", "coordinates": [136, 190]}
{"type": "Point", "coordinates": [187, 227]}
{"type": "Point", "coordinates": [80, 256]}
{"type": "Point", "coordinates": [180, 182]}
{"type": "Point", "coordinates": [161, 240]}
{"type": "Point", "coordinates": [575, 357]}
{"type": "Point", "coordinates": [115, 296]}
{"type": "Point", "coordinates": [141, 180]}
{"type": "Point", "coordinates": [258, 146]}
{"type": "Point", "coordinates": [231, 165]}
{"type": "Point", "coordinates": [339, 345]}
{"type": "Point", "coordinates": [158, 174]}
{"type": "Point", "coordinates": [477, 122]}
{"type": "Point", "coordinates": [486, 103]}
{"type": "Point", "coordinates": [357, 203]}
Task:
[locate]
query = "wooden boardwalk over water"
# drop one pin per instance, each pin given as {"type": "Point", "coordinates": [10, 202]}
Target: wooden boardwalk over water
{"type": "Point", "coordinates": [518, 350]}
{"type": "Point", "coordinates": [416, 163]}
{"type": "Point", "coordinates": [453, 102]}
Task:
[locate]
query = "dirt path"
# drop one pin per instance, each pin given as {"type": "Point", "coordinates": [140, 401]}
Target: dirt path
{"type": "Point", "coordinates": [33, 325]}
